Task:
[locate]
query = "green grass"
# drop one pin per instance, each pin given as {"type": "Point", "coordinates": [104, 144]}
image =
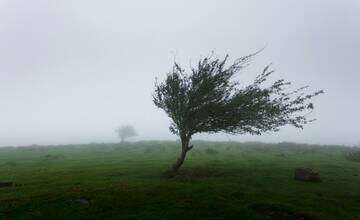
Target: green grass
{"type": "Point", "coordinates": [235, 181]}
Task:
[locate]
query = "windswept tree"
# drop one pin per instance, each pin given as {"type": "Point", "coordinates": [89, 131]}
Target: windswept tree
{"type": "Point", "coordinates": [126, 131]}
{"type": "Point", "coordinates": [209, 100]}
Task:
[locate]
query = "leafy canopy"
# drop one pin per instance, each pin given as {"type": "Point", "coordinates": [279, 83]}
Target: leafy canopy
{"type": "Point", "coordinates": [209, 100]}
{"type": "Point", "coordinates": [126, 131]}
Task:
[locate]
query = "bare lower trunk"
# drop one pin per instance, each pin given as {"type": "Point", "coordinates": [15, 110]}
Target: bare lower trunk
{"type": "Point", "coordinates": [174, 169]}
{"type": "Point", "coordinates": [176, 166]}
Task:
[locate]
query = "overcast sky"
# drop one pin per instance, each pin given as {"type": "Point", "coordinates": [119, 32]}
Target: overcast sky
{"type": "Point", "coordinates": [72, 71]}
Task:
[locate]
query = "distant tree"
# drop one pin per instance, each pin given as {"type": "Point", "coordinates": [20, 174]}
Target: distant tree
{"type": "Point", "coordinates": [208, 100]}
{"type": "Point", "coordinates": [126, 131]}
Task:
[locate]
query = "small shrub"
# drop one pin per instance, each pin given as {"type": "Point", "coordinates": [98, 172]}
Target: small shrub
{"type": "Point", "coordinates": [353, 155]}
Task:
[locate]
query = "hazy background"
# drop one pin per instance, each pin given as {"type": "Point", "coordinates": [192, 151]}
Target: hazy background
{"type": "Point", "coordinates": [72, 71]}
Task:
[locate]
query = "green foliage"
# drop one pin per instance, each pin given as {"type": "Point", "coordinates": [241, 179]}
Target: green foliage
{"type": "Point", "coordinates": [126, 131]}
{"type": "Point", "coordinates": [209, 100]}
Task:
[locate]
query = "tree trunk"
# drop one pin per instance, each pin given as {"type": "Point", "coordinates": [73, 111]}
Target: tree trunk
{"type": "Point", "coordinates": [174, 169]}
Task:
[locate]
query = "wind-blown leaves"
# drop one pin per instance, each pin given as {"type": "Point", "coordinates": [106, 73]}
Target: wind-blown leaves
{"type": "Point", "coordinates": [208, 100]}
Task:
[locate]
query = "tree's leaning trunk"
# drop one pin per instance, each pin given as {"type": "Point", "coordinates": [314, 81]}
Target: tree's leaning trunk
{"type": "Point", "coordinates": [176, 166]}
{"type": "Point", "coordinates": [174, 169]}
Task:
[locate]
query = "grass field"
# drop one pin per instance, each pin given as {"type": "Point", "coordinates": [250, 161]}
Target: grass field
{"type": "Point", "coordinates": [219, 180]}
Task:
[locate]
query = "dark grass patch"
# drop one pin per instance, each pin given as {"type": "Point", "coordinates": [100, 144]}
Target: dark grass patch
{"type": "Point", "coordinates": [196, 152]}
{"type": "Point", "coordinates": [205, 172]}
{"type": "Point", "coordinates": [238, 195]}
{"type": "Point", "coordinates": [54, 156]}
{"type": "Point", "coordinates": [261, 148]}
{"type": "Point", "coordinates": [311, 151]}
{"type": "Point", "coordinates": [281, 155]}
{"type": "Point", "coordinates": [9, 164]}
{"type": "Point", "coordinates": [148, 150]}
{"type": "Point", "coordinates": [185, 179]}
{"type": "Point", "coordinates": [279, 212]}
{"type": "Point", "coordinates": [4, 184]}
{"type": "Point", "coordinates": [213, 163]}
{"type": "Point", "coordinates": [229, 148]}
{"type": "Point", "coordinates": [82, 201]}
{"type": "Point", "coordinates": [211, 151]}
{"type": "Point", "coordinates": [116, 174]}
{"type": "Point", "coordinates": [307, 174]}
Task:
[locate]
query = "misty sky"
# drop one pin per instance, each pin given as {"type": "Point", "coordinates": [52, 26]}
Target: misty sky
{"type": "Point", "coordinates": [72, 71]}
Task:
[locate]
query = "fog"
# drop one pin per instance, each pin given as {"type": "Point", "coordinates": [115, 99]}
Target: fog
{"type": "Point", "coordinates": [74, 71]}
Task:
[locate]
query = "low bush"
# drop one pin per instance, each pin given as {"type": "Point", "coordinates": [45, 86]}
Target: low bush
{"type": "Point", "coordinates": [353, 155]}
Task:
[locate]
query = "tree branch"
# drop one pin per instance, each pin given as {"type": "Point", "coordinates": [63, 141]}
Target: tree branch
{"type": "Point", "coordinates": [189, 148]}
